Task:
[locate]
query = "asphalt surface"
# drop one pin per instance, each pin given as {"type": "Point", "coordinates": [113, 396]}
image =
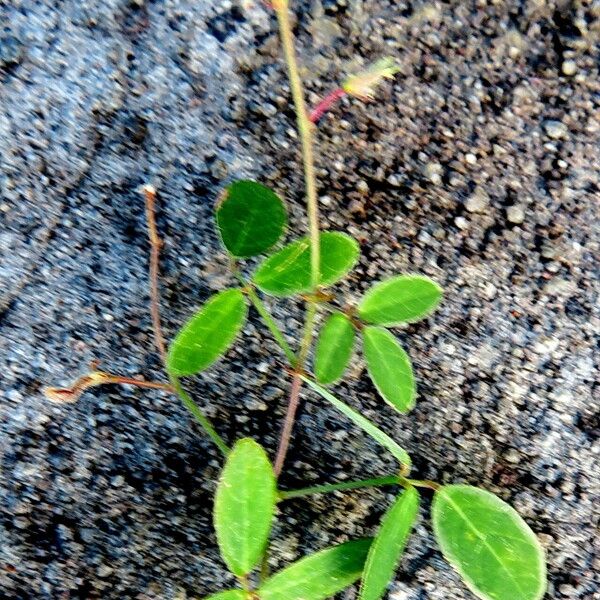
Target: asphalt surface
{"type": "Point", "coordinates": [478, 166]}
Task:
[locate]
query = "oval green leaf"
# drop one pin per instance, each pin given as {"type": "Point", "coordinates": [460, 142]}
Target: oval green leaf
{"type": "Point", "coordinates": [208, 334]}
{"type": "Point", "coordinates": [229, 595]}
{"type": "Point", "coordinates": [334, 348]}
{"type": "Point", "coordinates": [372, 430]}
{"type": "Point", "coordinates": [388, 546]}
{"type": "Point", "coordinates": [402, 299]}
{"type": "Point", "coordinates": [489, 544]}
{"type": "Point", "coordinates": [320, 575]}
{"type": "Point", "coordinates": [244, 506]}
{"type": "Point", "coordinates": [250, 217]}
{"type": "Point", "coordinates": [389, 367]}
{"type": "Point", "coordinates": [287, 272]}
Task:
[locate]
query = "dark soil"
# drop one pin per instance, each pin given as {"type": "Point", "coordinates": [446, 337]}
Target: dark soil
{"type": "Point", "coordinates": [478, 166]}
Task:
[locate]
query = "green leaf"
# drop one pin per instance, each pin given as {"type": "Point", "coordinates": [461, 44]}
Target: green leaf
{"type": "Point", "coordinates": [208, 334]}
{"type": "Point", "coordinates": [401, 299]}
{"type": "Point", "coordinates": [388, 546]}
{"type": "Point", "coordinates": [489, 544]}
{"type": "Point", "coordinates": [379, 436]}
{"type": "Point", "coordinates": [389, 367]}
{"type": "Point", "coordinates": [250, 217]}
{"type": "Point", "coordinates": [229, 595]}
{"type": "Point", "coordinates": [287, 272]}
{"type": "Point", "coordinates": [244, 506]}
{"type": "Point", "coordinates": [320, 575]}
{"type": "Point", "coordinates": [334, 348]}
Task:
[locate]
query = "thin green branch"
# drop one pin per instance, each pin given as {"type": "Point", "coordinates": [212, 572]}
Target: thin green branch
{"type": "Point", "coordinates": [305, 131]}
{"type": "Point", "coordinates": [307, 336]}
{"type": "Point", "coordinates": [337, 487]}
{"type": "Point", "coordinates": [421, 483]}
{"type": "Point", "coordinates": [199, 415]}
{"type": "Point", "coordinates": [263, 311]}
{"type": "Point", "coordinates": [367, 426]}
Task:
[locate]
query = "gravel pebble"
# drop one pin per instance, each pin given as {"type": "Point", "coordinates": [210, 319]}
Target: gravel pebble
{"type": "Point", "coordinates": [477, 202]}
{"type": "Point", "coordinates": [569, 67]}
{"type": "Point", "coordinates": [515, 214]}
{"type": "Point", "coordinates": [556, 130]}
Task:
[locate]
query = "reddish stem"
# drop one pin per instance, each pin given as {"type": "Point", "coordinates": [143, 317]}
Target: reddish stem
{"type": "Point", "coordinates": [95, 378]}
{"type": "Point", "coordinates": [288, 424]}
{"type": "Point", "coordinates": [320, 109]}
{"type": "Point", "coordinates": [156, 385]}
{"type": "Point", "coordinates": [155, 246]}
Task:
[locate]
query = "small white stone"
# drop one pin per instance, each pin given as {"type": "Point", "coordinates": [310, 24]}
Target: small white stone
{"type": "Point", "coordinates": [477, 202]}
{"type": "Point", "coordinates": [104, 571]}
{"type": "Point", "coordinates": [490, 291]}
{"type": "Point", "coordinates": [471, 158]}
{"type": "Point", "coordinates": [515, 214]}
{"type": "Point", "coordinates": [569, 67]}
{"type": "Point", "coordinates": [555, 130]}
{"type": "Point", "coordinates": [512, 456]}
{"type": "Point", "coordinates": [363, 187]}
{"type": "Point", "coordinates": [433, 172]}
{"type": "Point", "coordinates": [546, 346]}
{"type": "Point", "coordinates": [514, 52]}
{"type": "Point", "coordinates": [461, 223]}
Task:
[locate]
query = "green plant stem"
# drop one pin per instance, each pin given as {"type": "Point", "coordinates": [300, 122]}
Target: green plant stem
{"type": "Point", "coordinates": [155, 245]}
{"type": "Point", "coordinates": [199, 415]}
{"type": "Point", "coordinates": [367, 426]}
{"type": "Point", "coordinates": [262, 310]}
{"type": "Point", "coordinates": [354, 485]}
{"type": "Point", "coordinates": [307, 336]}
{"type": "Point", "coordinates": [336, 487]}
{"type": "Point", "coordinates": [245, 583]}
{"type": "Point", "coordinates": [422, 483]}
{"type": "Point", "coordinates": [305, 131]}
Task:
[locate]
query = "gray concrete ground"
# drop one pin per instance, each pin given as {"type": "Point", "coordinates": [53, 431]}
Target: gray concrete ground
{"type": "Point", "coordinates": [478, 166]}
